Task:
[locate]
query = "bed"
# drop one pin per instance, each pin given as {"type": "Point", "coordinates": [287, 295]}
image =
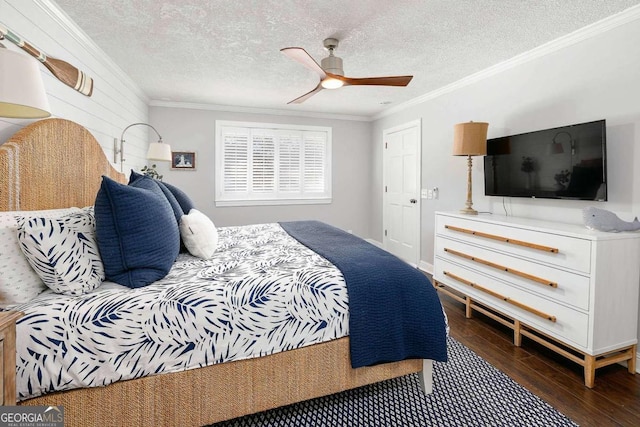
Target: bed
{"type": "Point", "coordinates": [56, 163]}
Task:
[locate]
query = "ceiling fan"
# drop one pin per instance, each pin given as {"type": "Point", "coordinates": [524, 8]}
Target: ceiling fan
{"type": "Point", "coordinates": [331, 72]}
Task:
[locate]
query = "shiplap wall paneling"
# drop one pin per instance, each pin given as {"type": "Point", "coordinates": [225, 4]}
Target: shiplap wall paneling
{"type": "Point", "coordinates": [116, 101]}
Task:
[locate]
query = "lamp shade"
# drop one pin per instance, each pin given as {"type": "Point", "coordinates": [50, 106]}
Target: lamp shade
{"type": "Point", "coordinates": [470, 139]}
{"type": "Point", "coordinates": [159, 151]}
{"type": "Point", "coordinates": [555, 148]}
{"type": "Point", "coordinates": [22, 94]}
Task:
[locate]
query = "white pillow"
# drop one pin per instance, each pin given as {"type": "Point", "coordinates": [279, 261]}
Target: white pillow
{"type": "Point", "coordinates": [199, 234]}
{"type": "Point", "coordinates": [63, 251]}
{"type": "Point", "coordinates": [18, 282]}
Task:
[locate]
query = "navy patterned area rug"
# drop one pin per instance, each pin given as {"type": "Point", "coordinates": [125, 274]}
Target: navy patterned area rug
{"type": "Point", "coordinates": [467, 391]}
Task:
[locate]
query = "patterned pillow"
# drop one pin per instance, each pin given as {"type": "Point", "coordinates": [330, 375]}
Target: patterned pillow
{"type": "Point", "coordinates": [18, 282]}
{"type": "Point", "coordinates": [137, 233]}
{"type": "Point", "coordinates": [199, 234]}
{"type": "Point", "coordinates": [63, 251]}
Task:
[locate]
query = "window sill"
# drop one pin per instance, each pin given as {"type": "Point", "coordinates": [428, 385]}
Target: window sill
{"type": "Point", "coordinates": [279, 202]}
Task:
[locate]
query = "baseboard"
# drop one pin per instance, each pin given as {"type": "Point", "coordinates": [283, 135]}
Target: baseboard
{"type": "Point", "coordinates": [375, 243]}
{"type": "Point", "coordinates": [426, 267]}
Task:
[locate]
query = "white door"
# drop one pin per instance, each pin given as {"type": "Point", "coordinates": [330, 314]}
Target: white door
{"type": "Point", "coordinates": [401, 210]}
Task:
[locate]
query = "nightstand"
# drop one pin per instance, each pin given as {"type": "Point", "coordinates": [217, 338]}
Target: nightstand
{"type": "Point", "coordinates": [8, 356]}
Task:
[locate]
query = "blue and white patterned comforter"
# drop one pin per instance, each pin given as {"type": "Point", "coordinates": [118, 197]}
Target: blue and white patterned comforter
{"type": "Point", "coordinates": [263, 292]}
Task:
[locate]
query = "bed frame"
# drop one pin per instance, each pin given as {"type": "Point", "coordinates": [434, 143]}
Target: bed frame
{"type": "Point", "coordinates": [57, 163]}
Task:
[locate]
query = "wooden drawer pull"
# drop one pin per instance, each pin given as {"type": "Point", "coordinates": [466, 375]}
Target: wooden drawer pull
{"type": "Point", "coordinates": [504, 239]}
{"type": "Point", "coordinates": [502, 297]}
{"type": "Point", "coordinates": [503, 268]}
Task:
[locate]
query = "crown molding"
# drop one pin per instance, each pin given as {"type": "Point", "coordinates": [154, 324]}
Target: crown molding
{"type": "Point", "coordinates": [597, 28]}
{"type": "Point", "coordinates": [629, 15]}
{"type": "Point", "coordinates": [254, 110]}
{"type": "Point", "coordinates": [60, 17]}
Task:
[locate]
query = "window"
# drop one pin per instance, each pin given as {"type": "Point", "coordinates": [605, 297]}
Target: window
{"type": "Point", "coordinates": [268, 164]}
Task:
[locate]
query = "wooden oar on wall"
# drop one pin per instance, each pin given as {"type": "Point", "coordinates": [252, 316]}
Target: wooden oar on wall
{"type": "Point", "coordinates": [65, 72]}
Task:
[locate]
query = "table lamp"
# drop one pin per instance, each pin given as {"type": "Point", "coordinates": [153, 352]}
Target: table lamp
{"type": "Point", "coordinates": [470, 139]}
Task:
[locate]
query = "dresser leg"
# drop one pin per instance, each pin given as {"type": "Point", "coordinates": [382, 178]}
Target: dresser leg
{"type": "Point", "coordinates": [468, 310]}
{"type": "Point", "coordinates": [517, 337]}
{"type": "Point", "coordinates": [631, 363]}
{"type": "Point", "coordinates": [589, 370]}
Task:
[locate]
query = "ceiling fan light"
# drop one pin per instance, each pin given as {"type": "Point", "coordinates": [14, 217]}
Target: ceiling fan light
{"type": "Point", "coordinates": [331, 83]}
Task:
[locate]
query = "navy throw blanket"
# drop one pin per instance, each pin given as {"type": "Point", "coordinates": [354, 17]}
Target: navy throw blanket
{"type": "Point", "coordinates": [394, 311]}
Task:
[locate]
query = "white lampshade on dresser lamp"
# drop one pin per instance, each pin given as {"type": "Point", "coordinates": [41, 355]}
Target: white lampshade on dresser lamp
{"type": "Point", "coordinates": [22, 94]}
{"type": "Point", "coordinates": [470, 139]}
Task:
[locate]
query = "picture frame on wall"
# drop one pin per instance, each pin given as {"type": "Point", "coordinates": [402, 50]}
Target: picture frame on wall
{"type": "Point", "coordinates": [183, 160]}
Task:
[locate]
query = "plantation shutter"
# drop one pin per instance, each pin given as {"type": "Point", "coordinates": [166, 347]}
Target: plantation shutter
{"type": "Point", "coordinates": [263, 166]}
{"type": "Point", "coordinates": [259, 163]}
{"type": "Point", "coordinates": [236, 160]}
{"type": "Point", "coordinates": [314, 161]}
{"type": "Point", "coordinates": [290, 163]}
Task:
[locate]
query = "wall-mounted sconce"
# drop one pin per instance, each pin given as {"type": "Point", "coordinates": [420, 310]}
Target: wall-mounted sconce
{"type": "Point", "coordinates": [556, 147]}
{"type": "Point", "coordinates": [157, 150]}
{"type": "Point", "coordinates": [22, 94]}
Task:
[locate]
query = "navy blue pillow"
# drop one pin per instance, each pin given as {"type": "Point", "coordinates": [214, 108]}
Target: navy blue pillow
{"type": "Point", "coordinates": [137, 233]}
{"type": "Point", "coordinates": [185, 202]}
{"type": "Point", "coordinates": [143, 181]}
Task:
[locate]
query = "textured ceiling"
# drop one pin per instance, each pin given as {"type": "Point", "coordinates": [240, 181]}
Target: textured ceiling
{"type": "Point", "coordinates": [226, 52]}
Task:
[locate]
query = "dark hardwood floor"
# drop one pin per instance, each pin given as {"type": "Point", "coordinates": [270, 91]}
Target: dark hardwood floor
{"type": "Point", "coordinates": [614, 401]}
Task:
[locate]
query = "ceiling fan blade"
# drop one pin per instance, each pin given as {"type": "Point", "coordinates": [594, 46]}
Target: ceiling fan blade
{"type": "Point", "coordinates": [301, 55]}
{"type": "Point", "coordinates": [375, 81]}
{"type": "Point", "coordinates": [306, 96]}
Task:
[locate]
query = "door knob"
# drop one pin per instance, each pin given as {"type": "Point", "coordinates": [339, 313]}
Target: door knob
{"type": "Point", "coordinates": [413, 201]}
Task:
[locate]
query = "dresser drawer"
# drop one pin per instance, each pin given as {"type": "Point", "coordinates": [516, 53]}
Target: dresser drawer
{"type": "Point", "coordinates": [571, 253]}
{"type": "Point", "coordinates": [540, 279]}
{"type": "Point", "coordinates": [571, 326]}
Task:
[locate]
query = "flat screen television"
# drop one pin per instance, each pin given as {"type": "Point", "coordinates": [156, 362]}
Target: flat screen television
{"type": "Point", "coordinates": [567, 162]}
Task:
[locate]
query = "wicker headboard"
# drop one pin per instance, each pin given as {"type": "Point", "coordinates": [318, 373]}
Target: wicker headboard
{"type": "Point", "coordinates": [52, 163]}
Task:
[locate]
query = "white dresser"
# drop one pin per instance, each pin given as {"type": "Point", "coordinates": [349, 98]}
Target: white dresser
{"type": "Point", "coordinates": [562, 285]}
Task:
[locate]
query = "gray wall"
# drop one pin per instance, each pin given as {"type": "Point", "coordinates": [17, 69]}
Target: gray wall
{"type": "Point", "coordinates": [194, 130]}
{"type": "Point", "coordinates": [594, 79]}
